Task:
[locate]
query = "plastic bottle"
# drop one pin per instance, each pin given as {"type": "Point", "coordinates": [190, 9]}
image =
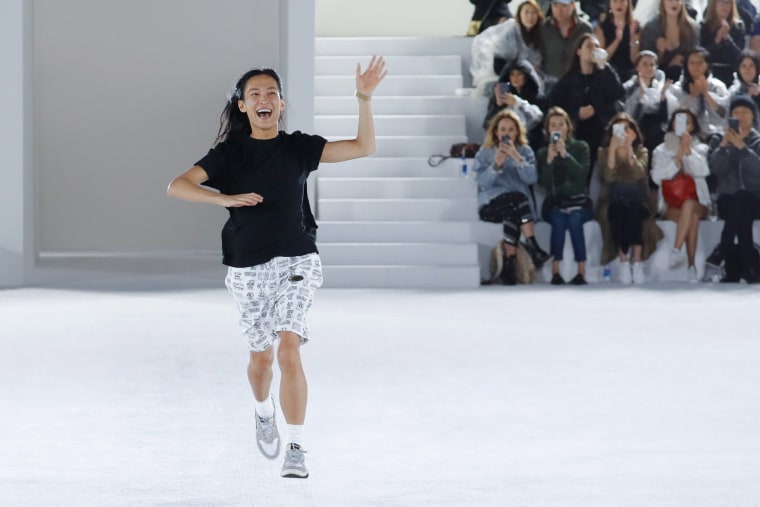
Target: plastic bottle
{"type": "Point", "coordinates": [606, 275]}
{"type": "Point", "coordinates": [464, 164]}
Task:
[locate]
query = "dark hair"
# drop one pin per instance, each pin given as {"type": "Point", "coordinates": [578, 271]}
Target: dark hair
{"type": "Point", "coordinates": [232, 121]}
{"type": "Point", "coordinates": [696, 132]}
{"type": "Point", "coordinates": [575, 67]}
{"type": "Point", "coordinates": [623, 117]}
{"type": "Point", "coordinates": [687, 80]}
{"type": "Point", "coordinates": [745, 54]}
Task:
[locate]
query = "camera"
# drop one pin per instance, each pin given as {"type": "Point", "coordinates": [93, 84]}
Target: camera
{"type": "Point", "coordinates": [505, 139]}
{"type": "Point", "coordinates": [554, 136]}
{"type": "Point", "coordinates": [733, 124]}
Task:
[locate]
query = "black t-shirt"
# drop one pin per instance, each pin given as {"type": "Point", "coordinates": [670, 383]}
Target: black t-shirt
{"type": "Point", "coordinates": [276, 169]}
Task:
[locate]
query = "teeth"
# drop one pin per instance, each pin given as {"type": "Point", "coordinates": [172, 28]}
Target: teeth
{"type": "Point", "coordinates": [260, 111]}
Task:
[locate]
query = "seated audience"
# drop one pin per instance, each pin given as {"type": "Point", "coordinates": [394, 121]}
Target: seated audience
{"type": "Point", "coordinates": [723, 35]}
{"type": "Point", "coordinates": [487, 13]}
{"type": "Point", "coordinates": [746, 80]}
{"type": "Point", "coordinates": [519, 89]}
{"type": "Point", "coordinates": [589, 92]}
{"type": "Point", "coordinates": [560, 34]}
{"type": "Point", "coordinates": [504, 168]}
{"type": "Point", "coordinates": [515, 39]}
{"type": "Point", "coordinates": [563, 167]}
{"type": "Point", "coordinates": [672, 33]}
{"type": "Point", "coordinates": [704, 95]}
{"type": "Point", "coordinates": [646, 100]}
{"type": "Point", "coordinates": [625, 210]}
{"type": "Point", "coordinates": [736, 164]}
{"type": "Point", "coordinates": [618, 34]}
{"type": "Point", "coordinates": [679, 168]}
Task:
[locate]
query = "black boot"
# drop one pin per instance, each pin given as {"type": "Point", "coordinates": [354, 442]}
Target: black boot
{"type": "Point", "coordinates": [538, 255]}
{"type": "Point", "coordinates": [508, 270]}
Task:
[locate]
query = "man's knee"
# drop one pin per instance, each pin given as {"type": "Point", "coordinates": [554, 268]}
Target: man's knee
{"type": "Point", "coordinates": [289, 351]}
{"type": "Point", "coordinates": [262, 361]}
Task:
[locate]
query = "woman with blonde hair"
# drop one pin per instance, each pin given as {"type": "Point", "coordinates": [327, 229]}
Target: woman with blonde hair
{"type": "Point", "coordinates": [504, 168]}
{"type": "Point", "coordinates": [670, 35]}
{"type": "Point", "coordinates": [625, 209]}
{"type": "Point", "coordinates": [723, 34]}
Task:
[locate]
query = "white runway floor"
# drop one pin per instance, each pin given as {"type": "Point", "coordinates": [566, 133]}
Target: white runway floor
{"type": "Point", "coordinates": [530, 396]}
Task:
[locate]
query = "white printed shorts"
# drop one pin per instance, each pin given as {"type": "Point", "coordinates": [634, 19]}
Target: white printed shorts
{"type": "Point", "coordinates": [275, 296]}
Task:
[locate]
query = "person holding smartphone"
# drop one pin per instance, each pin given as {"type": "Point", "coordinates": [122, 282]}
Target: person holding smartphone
{"type": "Point", "coordinates": [735, 162]}
{"type": "Point", "coordinates": [505, 167]}
{"type": "Point", "coordinates": [679, 168]}
{"type": "Point", "coordinates": [563, 167]}
{"type": "Point", "coordinates": [625, 209]}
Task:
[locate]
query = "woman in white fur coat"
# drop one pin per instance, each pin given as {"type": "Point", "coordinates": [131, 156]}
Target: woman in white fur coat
{"type": "Point", "coordinates": [683, 155]}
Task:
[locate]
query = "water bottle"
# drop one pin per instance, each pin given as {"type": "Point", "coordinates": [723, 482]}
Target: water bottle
{"type": "Point", "coordinates": [606, 275]}
{"type": "Point", "coordinates": [464, 164]}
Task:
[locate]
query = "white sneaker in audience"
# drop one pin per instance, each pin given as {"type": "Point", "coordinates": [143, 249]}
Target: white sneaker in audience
{"type": "Point", "coordinates": [625, 272]}
{"type": "Point", "coordinates": [692, 274]}
{"type": "Point", "coordinates": [638, 273]}
{"type": "Point", "coordinates": [677, 257]}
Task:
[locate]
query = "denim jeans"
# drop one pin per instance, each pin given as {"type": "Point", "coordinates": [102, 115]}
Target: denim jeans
{"type": "Point", "coordinates": [572, 221]}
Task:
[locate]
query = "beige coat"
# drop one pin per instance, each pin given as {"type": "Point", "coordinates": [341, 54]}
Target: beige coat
{"type": "Point", "coordinates": [626, 171]}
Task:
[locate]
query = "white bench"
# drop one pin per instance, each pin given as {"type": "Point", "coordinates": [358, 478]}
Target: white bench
{"type": "Point", "coordinates": [657, 267]}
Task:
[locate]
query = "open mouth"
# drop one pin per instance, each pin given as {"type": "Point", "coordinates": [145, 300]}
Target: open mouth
{"type": "Point", "coordinates": [264, 113]}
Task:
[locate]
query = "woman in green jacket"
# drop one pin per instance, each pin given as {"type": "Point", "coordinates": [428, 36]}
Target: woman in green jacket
{"type": "Point", "coordinates": [563, 168]}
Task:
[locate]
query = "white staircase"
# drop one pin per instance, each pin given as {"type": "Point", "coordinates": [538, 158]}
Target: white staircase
{"type": "Point", "coordinates": [390, 220]}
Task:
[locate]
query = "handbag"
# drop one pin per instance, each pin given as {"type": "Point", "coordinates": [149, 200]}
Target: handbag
{"type": "Point", "coordinates": [571, 202]}
{"type": "Point", "coordinates": [679, 189]}
{"type": "Point", "coordinates": [469, 150]}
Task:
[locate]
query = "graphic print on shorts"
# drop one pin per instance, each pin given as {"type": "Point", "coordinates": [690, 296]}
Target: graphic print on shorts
{"type": "Point", "coordinates": [275, 296]}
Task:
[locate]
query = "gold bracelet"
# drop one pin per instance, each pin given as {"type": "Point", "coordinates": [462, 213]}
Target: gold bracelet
{"type": "Point", "coordinates": [361, 96]}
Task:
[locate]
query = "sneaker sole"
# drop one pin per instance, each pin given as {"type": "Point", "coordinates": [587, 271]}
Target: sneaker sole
{"type": "Point", "coordinates": [293, 474]}
{"type": "Point", "coordinates": [265, 453]}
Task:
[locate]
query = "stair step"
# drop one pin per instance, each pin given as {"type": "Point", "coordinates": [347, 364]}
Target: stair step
{"type": "Point", "coordinates": [396, 65]}
{"type": "Point", "coordinates": [342, 86]}
{"type": "Point", "coordinates": [442, 104]}
{"type": "Point", "coordinates": [392, 46]}
{"type": "Point", "coordinates": [401, 277]}
{"type": "Point", "coordinates": [398, 209]}
{"type": "Point", "coordinates": [394, 188]}
{"type": "Point", "coordinates": [411, 146]}
{"type": "Point", "coordinates": [395, 254]}
{"type": "Point", "coordinates": [393, 125]}
{"type": "Point", "coordinates": [403, 231]}
{"type": "Point", "coordinates": [375, 166]}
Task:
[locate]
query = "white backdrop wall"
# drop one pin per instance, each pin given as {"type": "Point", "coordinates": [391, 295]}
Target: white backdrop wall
{"type": "Point", "coordinates": [424, 18]}
{"type": "Point", "coordinates": [127, 95]}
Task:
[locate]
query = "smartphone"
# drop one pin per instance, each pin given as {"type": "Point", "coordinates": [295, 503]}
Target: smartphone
{"type": "Point", "coordinates": [505, 139]}
{"type": "Point", "coordinates": [618, 130]}
{"type": "Point", "coordinates": [679, 125]}
{"type": "Point", "coordinates": [554, 136]}
{"type": "Point", "coordinates": [733, 124]}
{"type": "Point", "coordinates": [505, 88]}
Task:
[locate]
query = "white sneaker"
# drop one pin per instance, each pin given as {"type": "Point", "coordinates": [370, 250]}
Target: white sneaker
{"type": "Point", "coordinates": [692, 274]}
{"type": "Point", "coordinates": [638, 273]}
{"type": "Point", "coordinates": [625, 273]}
{"type": "Point", "coordinates": [677, 257]}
